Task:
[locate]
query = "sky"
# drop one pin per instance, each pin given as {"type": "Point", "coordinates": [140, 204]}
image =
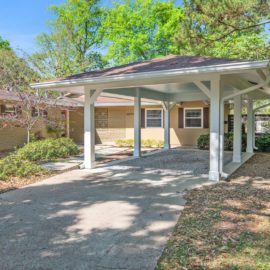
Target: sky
{"type": "Point", "coordinates": [22, 20]}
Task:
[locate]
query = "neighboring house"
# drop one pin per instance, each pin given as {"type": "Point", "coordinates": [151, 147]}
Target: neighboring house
{"type": "Point", "coordinates": [262, 123]}
{"type": "Point", "coordinates": [11, 137]}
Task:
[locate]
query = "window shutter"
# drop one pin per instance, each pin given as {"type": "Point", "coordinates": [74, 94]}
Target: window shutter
{"type": "Point", "coordinates": [2, 109]}
{"type": "Point", "coordinates": [142, 118]}
{"type": "Point", "coordinates": [205, 117]}
{"type": "Point", "coordinates": [180, 118]}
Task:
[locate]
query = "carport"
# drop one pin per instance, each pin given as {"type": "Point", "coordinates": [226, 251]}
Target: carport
{"type": "Point", "coordinates": [174, 79]}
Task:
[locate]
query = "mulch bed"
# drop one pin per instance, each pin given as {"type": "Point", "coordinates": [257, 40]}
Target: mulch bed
{"type": "Point", "coordinates": [16, 182]}
{"type": "Point", "coordinates": [225, 226]}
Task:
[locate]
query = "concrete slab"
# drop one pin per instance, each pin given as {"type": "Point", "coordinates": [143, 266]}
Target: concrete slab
{"type": "Point", "coordinates": [107, 218]}
{"type": "Point", "coordinates": [231, 167]}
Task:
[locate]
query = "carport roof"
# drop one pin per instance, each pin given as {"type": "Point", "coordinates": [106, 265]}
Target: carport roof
{"type": "Point", "coordinates": [169, 62]}
{"type": "Point", "coordinates": [169, 77]}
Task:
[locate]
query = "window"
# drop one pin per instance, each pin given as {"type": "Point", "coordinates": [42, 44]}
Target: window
{"type": "Point", "coordinates": [154, 118]}
{"type": "Point", "coordinates": [193, 117]}
{"type": "Point", "coordinates": [39, 113]}
{"type": "Point", "coordinates": [8, 109]}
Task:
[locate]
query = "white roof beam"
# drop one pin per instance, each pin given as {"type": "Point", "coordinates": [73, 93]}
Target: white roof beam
{"type": "Point", "coordinates": [203, 87]}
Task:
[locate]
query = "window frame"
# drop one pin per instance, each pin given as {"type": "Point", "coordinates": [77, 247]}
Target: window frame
{"type": "Point", "coordinates": [197, 108]}
{"type": "Point", "coordinates": [153, 109]}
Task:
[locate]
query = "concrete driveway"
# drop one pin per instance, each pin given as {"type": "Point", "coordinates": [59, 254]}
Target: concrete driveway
{"type": "Point", "coordinates": [109, 218]}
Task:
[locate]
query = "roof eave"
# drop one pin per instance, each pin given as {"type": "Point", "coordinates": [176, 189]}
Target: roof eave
{"type": "Point", "coordinates": [240, 66]}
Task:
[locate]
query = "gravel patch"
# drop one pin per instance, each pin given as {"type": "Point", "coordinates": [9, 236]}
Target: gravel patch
{"type": "Point", "coordinates": [175, 161]}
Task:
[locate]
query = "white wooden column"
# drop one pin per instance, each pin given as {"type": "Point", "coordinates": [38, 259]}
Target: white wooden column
{"type": "Point", "coordinates": [237, 129]}
{"type": "Point", "coordinates": [89, 131]}
{"type": "Point", "coordinates": [221, 137]}
{"type": "Point", "coordinates": [250, 126]}
{"type": "Point", "coordinates": [214, 173]}
{"type": "Point", "coordinates": [166, 108]}
{"type": "Point", "coordinates": [254, 130]}
{"type": "Point", "coordinates": [137, 124]}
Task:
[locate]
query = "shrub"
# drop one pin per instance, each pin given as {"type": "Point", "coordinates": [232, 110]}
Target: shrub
{"type": "Point", "coordinates": [145, 143]}
{"type": "Point", "coordinates": [48, 149]}
{"type": "Point", "coordinates": [13, 165]}
{"type": "Point", "coordinates": [263, 142]}
{"type": "Point", "coordinates": [203, 142]}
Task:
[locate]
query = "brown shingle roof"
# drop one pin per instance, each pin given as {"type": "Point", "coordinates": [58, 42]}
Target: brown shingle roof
{"type": "Point", "coordinates": [158, 64]}
{"type": "Point", "coordinates": [10, 96]}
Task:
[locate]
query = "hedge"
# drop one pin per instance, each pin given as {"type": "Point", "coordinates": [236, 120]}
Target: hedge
{"type": "Point", "coordinates": [261, 141]}
{"type": "Point", "coordinates": [15, 166]}
{"type": "Point", "coordinates": [21, 162]}
{"type": "Point", "coordinates": [48, 149]}
{"type": "Point", "coordinates": [145, 143]}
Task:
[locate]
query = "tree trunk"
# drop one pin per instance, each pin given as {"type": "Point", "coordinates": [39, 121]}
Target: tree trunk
{"type": "Point", "coordinates": [28, 136]}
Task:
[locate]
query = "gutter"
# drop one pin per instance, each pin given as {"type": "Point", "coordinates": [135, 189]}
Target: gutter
{"type": "Point", "coordinates": [155, 74]}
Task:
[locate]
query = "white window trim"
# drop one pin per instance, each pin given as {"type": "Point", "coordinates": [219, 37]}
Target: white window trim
{"type": "Point", "coordinates": [151, 109]}
{"type": "Point", "coordinates": [198, 108]}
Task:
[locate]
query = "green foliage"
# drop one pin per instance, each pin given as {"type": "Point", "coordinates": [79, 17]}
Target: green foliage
{"type": "Point", "coordinates": [16, 75]}
{"type": "Point", "coordinates": [263, 142]}
{"type": "Point", "coordinates": [226, 28]}
{"type": "Point", "coordinates": [140, 30]}
{"type": "Point", "coordinates": [15, 166]}
{"type": "Point", "coordinates": [203, 142]}
{"type": "Point", "coordinates": [4, 44]}
{"type": "Point", "coordinates": [145, 143]}
{"type": "Point", "coordinates": [71, 46]}
{"type": "Point", "coordinates": [48, 149]}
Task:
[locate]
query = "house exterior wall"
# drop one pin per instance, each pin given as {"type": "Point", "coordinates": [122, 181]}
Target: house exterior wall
{"type": "Point", "coordinates": [114, 123]}
{"type": "Point", "coordinates": [12, 137]}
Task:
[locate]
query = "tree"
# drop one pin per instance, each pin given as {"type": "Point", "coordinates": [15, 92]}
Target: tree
{"type": "Point", "coordinates": [140, 30]}
{"type": "Point", "coordinates": [4, 44]}
{"type": "Point", "coordinates": [15, 73]}
{"type": "Point", "coordinates": [71, 47]}
{"type": "Point", "coordinates": [225, 28]}
{"type": "Point", "coordinates": [28, 110]}
{"type": "Point", "coordinates": [15, 77]}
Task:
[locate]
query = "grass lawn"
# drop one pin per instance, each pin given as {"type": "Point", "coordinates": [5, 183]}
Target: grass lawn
{"type": "Point", "coordinates": [225, 226]}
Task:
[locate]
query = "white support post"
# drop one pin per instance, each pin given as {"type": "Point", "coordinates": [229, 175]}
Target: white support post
{"type": "Point", "coordinates": [237, 130]}
{"type": "Point", "coordinates": [167, 144]}
{"type": "Point", "coordinates": [137, 124]}
{"type": "Point", "coordinates": [89, 131]}
{"type": "Point", "coordinates": [221, 137]}
{"type": "Point", "coordinates": [250, 127]}
{"type": "Point", "coordinates": [214, 173]}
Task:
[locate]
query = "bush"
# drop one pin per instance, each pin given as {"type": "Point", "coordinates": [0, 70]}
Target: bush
{"type": "Point", "coordinates": [14, 166]}
{"type": "Point", "coordinates": [145, 143]}
{"type": "Point", "coordinates": [48, 149]}
{"type": "Point", "coordinates": [263, 142]}
{"type": "Point", "coordinates": [203, 142]}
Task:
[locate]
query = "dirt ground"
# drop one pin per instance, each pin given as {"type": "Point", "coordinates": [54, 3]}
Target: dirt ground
{"type": "Point", "coordinates": [225, 226]}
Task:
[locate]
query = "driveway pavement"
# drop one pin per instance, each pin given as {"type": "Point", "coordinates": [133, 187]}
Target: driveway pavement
{"type": "Point", "coordinates": [109, 218]}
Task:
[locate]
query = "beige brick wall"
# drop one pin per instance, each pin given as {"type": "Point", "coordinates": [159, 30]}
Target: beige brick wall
{"type": "Point", "coordinates": [120, 121]}
{"type": "Point", "coordinates": [110, 124]}
{"type": "Point", "coordinates": [12, 137]}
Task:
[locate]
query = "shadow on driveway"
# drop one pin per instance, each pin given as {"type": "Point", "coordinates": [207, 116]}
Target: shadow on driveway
{"type": "Point", "coordinates": [110, 218]}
